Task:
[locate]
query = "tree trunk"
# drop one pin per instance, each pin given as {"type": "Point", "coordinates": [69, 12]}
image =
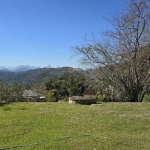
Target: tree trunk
{"type": "Point", "coordinates": [141, 96]}
{"type": "Point", "coordinates": [134, 97]}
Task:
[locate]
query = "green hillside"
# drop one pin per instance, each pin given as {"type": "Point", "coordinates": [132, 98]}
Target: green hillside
{"type": "Point", "coordinates": [37, 74]}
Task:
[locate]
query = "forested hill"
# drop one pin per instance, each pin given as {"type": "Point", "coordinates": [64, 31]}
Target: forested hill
{"type": "Point", "coordinates": [37, 74]}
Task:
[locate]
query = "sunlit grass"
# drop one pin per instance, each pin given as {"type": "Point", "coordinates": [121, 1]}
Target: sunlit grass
{"type": "Point", "coordinates": [62, 126]}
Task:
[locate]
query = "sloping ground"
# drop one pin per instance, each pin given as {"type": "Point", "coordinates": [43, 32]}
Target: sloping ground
{"type": "Point", "coordinates": [37, 74]}
{"type": "Point", "coordinates": [62, 126]}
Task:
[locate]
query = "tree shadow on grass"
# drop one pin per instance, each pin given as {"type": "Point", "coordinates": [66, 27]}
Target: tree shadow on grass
{"type": "Point", "coordinates": [4, 104]}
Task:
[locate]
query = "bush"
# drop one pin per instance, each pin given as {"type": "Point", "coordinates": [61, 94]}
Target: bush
{"type": "Point", "coordinates": [52, 96]}
{"type": "Point", "coordinates": [65, 98]}
{"type": "Point", "coordinates": [146, 98]}
{"type": "Point", "coordinates": [99, 98]}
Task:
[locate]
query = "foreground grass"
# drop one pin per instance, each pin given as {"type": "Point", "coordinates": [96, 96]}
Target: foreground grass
{"type": "Point", "coordinates": [62, 126]}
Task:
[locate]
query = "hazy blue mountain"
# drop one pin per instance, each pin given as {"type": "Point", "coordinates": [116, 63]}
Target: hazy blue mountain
{"type": "Point", "coordinates": [49, 66]}
{"type": "Point", "coordinates": [24, 68]}
{"type": "Point", "coordinates": [4, 70]}
{"type": "Point", "coordinates": [18, 68]}
{"type": "Point", "coordinates": [4, 67]}
{"type": "Point", "coordinates": [36, 75]}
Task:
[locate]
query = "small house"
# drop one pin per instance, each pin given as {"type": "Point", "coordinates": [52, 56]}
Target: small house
{"type": "Point", "coordinates": [32, 96]}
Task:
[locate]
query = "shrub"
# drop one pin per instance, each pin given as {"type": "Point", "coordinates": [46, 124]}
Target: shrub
{"type": "Point", "coordinates": [52, 96]}
{"type": "Point", "coordinates": [65, 98]}
{"type": "Point", "coordinates": [99, 98]}
{"type": "Point", "coordinates": [146, 98]}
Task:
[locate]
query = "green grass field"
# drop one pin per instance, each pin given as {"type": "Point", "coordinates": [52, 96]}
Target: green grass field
{"type": "Point", "coordinates": [63, 126]}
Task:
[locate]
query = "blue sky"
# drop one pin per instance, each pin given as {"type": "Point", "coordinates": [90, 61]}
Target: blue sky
{"type": "Point", "coordinates": [42, 32]}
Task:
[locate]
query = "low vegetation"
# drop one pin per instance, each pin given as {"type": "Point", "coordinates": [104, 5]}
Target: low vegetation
{"type": "Point", "coordinates": [64, 126]}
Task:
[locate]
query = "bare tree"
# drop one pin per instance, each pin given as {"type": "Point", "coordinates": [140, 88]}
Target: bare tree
{"type": "Point", "coordinates": [124, 57]}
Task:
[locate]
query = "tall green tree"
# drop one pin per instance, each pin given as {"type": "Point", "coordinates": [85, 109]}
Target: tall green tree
{"type": "Point", "coordinates": [4, 91]}
{"type": "Point", "coordinates": [16, 91]}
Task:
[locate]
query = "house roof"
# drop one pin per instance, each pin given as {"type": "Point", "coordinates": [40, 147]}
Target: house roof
{"type": "Point", "coordinates": [30, 93]}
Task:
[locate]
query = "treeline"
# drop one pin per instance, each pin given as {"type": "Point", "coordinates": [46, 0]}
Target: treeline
{"type": "Point", "coordinates": [11, 93]}
{"type": "Point", "coordinates": [60, 89]}
{"type": "Point", "coordinates": [53, 89]}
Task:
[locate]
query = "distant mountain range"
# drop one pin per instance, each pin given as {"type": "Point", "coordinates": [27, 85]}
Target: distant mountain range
{"type": "Point", "coordinates": [20, 68]}
{"type": "Point", "coordinates": [33, 74]}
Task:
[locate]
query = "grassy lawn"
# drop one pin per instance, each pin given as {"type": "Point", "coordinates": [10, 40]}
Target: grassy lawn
{"type": "Point", "coordinates": [63, 126]}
